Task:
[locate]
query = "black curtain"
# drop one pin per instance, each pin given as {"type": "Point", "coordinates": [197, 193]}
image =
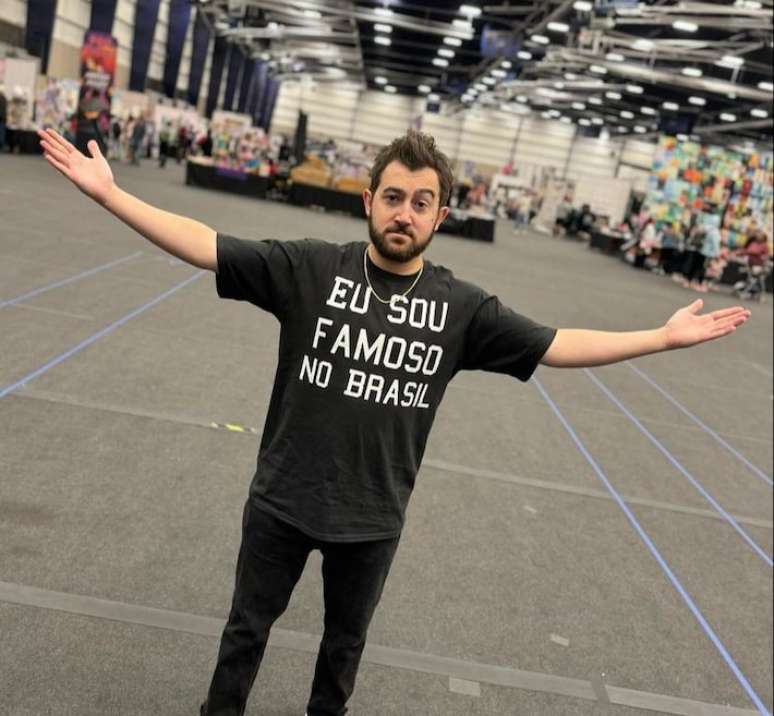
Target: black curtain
{"type": "Point", "coordinates": [219, 51]}
{"type": "Point", "coordinates": [235, 63]}
{"type": "Point", "coordinates": [201, 43]}
{"type": "Point", "coordinates": [145, 15]}
{"type": "Point", "coordinates": [103, 12]}
{"type": "Point", "coordinates": [179, 17]}
{"type": "Point", "coordinates": [40, 26]}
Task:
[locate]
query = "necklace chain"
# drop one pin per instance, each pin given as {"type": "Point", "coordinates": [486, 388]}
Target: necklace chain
{"type": "Point", "coordinates": [376, 295]}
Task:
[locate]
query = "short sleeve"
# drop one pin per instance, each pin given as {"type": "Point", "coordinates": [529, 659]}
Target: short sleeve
{"type": "Point", "coordinates": [261, 272]}
{"type": "Point", "coordinates": [502, 341]}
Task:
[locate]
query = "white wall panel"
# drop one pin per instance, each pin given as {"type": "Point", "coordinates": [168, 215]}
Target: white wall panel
{"type": "Point", "coordinates": [638, 153]}
{"type": "Point", "coordinates": [593, 157]}
{"type": "Point", "coordinates": [15, 12]}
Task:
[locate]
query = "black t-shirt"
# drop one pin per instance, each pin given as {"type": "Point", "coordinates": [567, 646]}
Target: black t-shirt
{"type": "Point", "coordinates": [358, 382]}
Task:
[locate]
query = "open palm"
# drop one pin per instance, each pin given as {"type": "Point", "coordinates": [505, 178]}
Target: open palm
{"type": "Point", "coordinates": [687, 328]}
{"type": "Point", "coordinates": [92, 175]}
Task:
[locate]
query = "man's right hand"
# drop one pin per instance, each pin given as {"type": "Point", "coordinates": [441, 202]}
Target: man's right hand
{"type": "Point", "coordinates": [92, 175]}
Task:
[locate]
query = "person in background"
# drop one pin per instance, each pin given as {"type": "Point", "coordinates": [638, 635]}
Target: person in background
{"type": "Point", "coordinates": [563, 212]}
{"type": "Point", "coordinates": [756, 250]}
{"type": "Point", "coordinates": [692, 258]}
{"type": "Point", "coordinates": [671, 248]}
{"type": "Point", "coordinates": [136, 139]}
{"type": "Point", "coordinates": [164, 136]}
{"type": "Point", "coordinates": [648, 241]}
{"type": "Point", "coordinates": [3, 118]}
{"type": "Point", "coordinates": [115, 138]}
{"type": "Point", "coordinates": [206, 144]}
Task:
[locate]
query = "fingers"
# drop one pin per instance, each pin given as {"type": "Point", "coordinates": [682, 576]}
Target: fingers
{"type": "Point", "coordinates": [94, 150]}
{"type": "Point", "coordinates": [696, 306]}
{"type": "Point", "coordinates": [57, 138]}
{"type": "Point", "coordinates": [725, 312]}
{"type": "Point", "coordinates": [61, 168]}
{"type": "Point", "coordinates": [55, 151]}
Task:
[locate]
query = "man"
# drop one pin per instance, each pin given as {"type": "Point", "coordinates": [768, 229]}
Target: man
{"type": "Point", "coordinates": [370, 336]}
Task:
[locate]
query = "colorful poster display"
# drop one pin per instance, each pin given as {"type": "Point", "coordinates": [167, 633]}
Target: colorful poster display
{"type": "Point", "coordinates": [690, 178]}
{"type": "Point", "coordinates": [98, 68]}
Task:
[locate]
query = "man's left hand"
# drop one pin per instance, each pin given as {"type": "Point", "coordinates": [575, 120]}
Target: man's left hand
{"type": "Point", "coordinates": [687, 327]}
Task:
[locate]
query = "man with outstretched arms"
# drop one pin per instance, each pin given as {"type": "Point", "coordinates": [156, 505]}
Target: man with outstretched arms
{"type": "Point", "coordinates": [371, 334]}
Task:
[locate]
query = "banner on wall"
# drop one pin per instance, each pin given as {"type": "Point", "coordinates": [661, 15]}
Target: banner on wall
{"type": "Point", "coordinates": [98, 69]}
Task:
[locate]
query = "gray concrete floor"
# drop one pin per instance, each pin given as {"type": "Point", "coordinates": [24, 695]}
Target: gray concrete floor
{"type": "Point", "coordinates": [520, 587]}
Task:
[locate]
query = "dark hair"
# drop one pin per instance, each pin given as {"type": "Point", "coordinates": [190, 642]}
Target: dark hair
{"type": "Point", "coordinates": [415, 150]}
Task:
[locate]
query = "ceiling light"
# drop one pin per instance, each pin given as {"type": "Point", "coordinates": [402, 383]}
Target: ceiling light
{"type": "Point", "coordinates": [643, 44]}
{"type": "Point", "coordinates": [453, 41]}
{"type": "Point", "coordinates": [489, 80]}
{"type": "Point", "coordinates": [613, 95]}
{"type": "Point", "coordinates": [443, 52]}
{"type": "Point", "coordinates": [506, 65]}
{"type": "Point", "coordinates": [640, 129]}
{"type": "Point", "coordinates": [634, 89]}
{"type": "Point", "coordinates": [380, 80]}
{"type": "Point", "coordinates": [545, 115]}
{"type": "Point", "coordinates": [726, 117]}
{"type": "Point", "coordinates": [314, 14]}
{"type": "Point", "coordinates": [433, 97]}
{"type": "Point", "coordinates": [570, 76]}
{"type": "Point", "coordinates": [424, 89]}
{"type": "Point", "coordinates": [382, 40]}
{"type": "Point", "coordinates": [467, 98]}
{"type": "Point", "coordinates": [730, 61]}
{"type": "Point", "coordinates": [748, 4]}
{"type": "Point", "coordinates": [470, 10]}
{"type": "Point", "coordinates": [595, 100]}
{"type": "Point", "coordinates": [579, 106]}
{"type": "Point", "coordinates": [597, 120]}
{"type": "Point", "coordinates": [626, 114]}
{"type": "Point", "coordinates": [524, 55]}
{"type": "Point", "coordinates": [463, 24]}
{"type": "Point", "coordinates": [481, 87]}
{"type": "Point", "coordinates": [379, 27]}
{"type": "Point", "coordinates": [583, 6]}
{"type": "Point", "coordinates": [559, 85]}
{"type": "Point", "coordinates": [566, 120]}
{"type": "Point", "coordinates": [681, 137]}
{"type": "Point", "coordinates": [540, 39]}
{"type": "Point", "coordinates": [390, 89]}
{"type": "Point", "coordinates": [554, 113]}
{"type": "Point", "coordinates": [698, 101]}
{"type": "Point", "coordinates": [522, 98]}
{"type": "Point", "coordinates": [614, 57]}
{"type": "Point", "coordinates": [498, 73]}
{"type": "Point", "coordinates": [598, 69]}
{"type": "Point", "coordinates": [761, 113]}
{"type": "Point", "coordinates": [558, 27]}
{"type": "Point", "coordinates": [383, 11]}
{"type": "Point", "coordinates": [440, 62]}
{"type": "Point", "coordinates": [691, 72]}
{"type": "Point", "coordinates": [673, 106]}
{"type": "Point", "coordinates": [766, 86]}
{"type": "Point", "coordinates": [648, 110]}
{"type": "Point", "coordinates": [622, 129]}
{"type": "Point", "coordinates": [584, 122]}
{"type": "Point", "coordinates": [685, 26]}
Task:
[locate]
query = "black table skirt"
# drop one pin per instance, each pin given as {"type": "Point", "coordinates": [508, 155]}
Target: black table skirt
{"type": "Point", "coordinates": [224, 179]}
{"type": "Point", "coordinates": [608, 243]}
{"type": "Point", "coordinates": [25, 141]}
{"type": "Point", "coordinates": [329, 199]}
{"type": "Point", "coordinates": [469, 228]}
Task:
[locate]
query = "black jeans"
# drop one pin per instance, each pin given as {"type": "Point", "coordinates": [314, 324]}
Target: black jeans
{"type": "Point", "coordinates": [271, 559]}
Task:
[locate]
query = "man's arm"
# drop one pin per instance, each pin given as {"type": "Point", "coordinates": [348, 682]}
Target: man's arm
{"type": "Point", "coordinates": [185, 238]}
{"type": "Point", "coordinates": [577, 348]}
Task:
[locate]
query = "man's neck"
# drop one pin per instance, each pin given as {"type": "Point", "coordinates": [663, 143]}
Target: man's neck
{"type": "Point", "coordinates": [398, 267]}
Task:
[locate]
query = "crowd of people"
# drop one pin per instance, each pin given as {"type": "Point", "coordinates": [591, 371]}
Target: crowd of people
{"type": "Point", "coordinates": [695, 254]}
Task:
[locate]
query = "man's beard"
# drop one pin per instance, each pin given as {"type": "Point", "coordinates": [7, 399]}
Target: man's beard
{"type": "Point", "coordinates": [413, 248]}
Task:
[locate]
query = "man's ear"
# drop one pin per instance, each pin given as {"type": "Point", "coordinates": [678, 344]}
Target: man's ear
{"type": "Point", "coordinates": [367, 197]}
{"type": "Point", "coordinates": [442, 214]}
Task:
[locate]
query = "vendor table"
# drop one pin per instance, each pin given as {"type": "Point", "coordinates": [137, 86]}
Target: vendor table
{"type": "Point", "coordinates": [225, 179]}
